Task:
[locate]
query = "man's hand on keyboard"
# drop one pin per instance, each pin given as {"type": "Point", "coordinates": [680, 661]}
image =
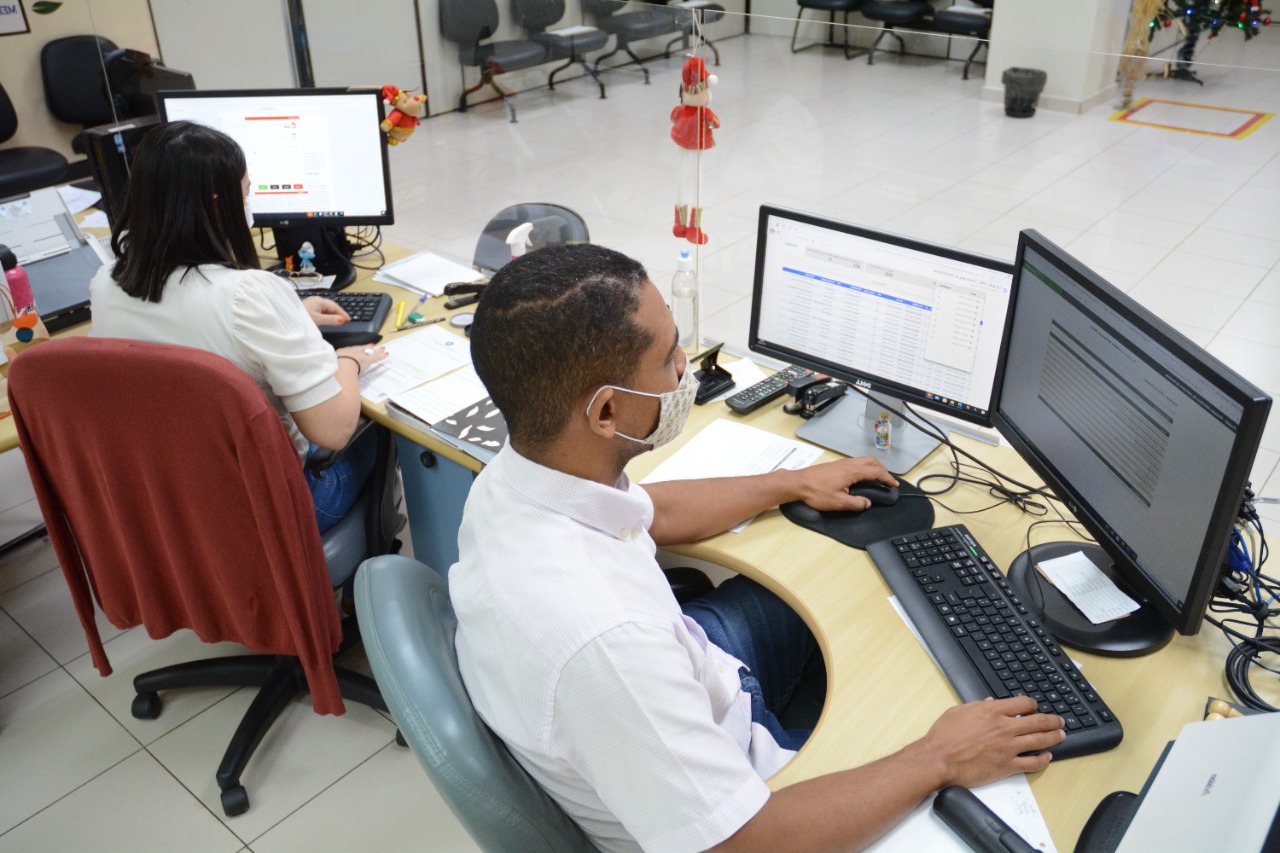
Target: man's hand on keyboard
{"type": "Point", "coordinates": [324, 311]}
{"type": "Point", "coordinates": [826, 487]}
{"type": "Point", "coordinates": [980, 742]}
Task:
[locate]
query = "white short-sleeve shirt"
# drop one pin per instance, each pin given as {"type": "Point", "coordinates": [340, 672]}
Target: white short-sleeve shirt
{"type": "Point", "coordinates": [575, 652]}
{"type": "Point", "coordinates": [251, 318]}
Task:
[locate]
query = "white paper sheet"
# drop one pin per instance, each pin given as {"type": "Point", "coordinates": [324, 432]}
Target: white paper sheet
{"type": "Point", "coordinates": [727, 449]}
{"type": "Point", "coordinates": [412, 360]}
{"type": "Point", "coordinates": [745, 373]}
{"type": "Point", "coordinates": [77, 199]}
{"type": "Point", "coordinates": [425, 273]}
{"type": "Point", "coordinates": [433, 401]}
{"type": "Point", "coordinates": [97, 219]}
{"type": "Point", "coordinates": [1085, 586]}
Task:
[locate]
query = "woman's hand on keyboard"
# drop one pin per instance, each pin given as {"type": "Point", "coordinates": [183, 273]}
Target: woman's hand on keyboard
{"type": "Point", "coordinates": [980, 742]}
{"type": "Point", "coordinates": [324, 311]}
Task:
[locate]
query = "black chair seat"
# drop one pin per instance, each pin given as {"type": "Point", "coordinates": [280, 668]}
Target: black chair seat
{"type": "Point", "coordinates": [506, 55]}
{"type": "Point", "coordinates": [962, 23]}
{"type": "Point", "coordinates": [25, 169]}
{"type": "Point", "coordinates": [637, 26]}
{"type": "Point", "coordinates": [830, 5]}
{"type": "Point", "coordinates": [898, 14]}
{"type": "Point", "coordinates": [572, 45]}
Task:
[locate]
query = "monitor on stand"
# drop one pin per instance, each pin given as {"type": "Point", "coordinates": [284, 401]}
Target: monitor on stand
{"type": "Point", "coordinates": [317, 163]}
{"type": "Point", "coordinates": [903, 320]}
{"type": "Point", "coordinates": [1145, 437]}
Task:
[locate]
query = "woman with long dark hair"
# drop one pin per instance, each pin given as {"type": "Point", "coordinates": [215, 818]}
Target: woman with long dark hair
{"type": "Point", "coordinates": [187, 273]}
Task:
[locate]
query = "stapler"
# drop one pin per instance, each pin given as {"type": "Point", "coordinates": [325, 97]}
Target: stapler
{"type": "Point", "coordinates": [464, 293]}
{"type": "Point", "coordinates": [712, 378]}
{"type": "Point", "coordinates": [813, 394]}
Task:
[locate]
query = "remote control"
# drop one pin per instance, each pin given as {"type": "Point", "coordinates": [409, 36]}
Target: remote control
{"type": "Point", "coordinates": [750, 399]}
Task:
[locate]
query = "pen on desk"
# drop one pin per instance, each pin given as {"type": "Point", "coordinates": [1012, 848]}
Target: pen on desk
{"type": "Point", "coordinates": [783, 460]}
{"type": "Point", "coordinates": [421, 323]}
{"type": "Point", "coordinates": [400, 320]}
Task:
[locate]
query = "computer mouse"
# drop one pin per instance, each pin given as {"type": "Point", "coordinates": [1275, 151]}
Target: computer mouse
{"type": "Point", "coordinates": [873, 490]}
{"type": "Point", "coordinates": [339, 339]}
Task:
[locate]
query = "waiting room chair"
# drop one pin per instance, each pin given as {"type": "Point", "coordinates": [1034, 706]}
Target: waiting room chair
{"type": "Point", "coordinates": [831, 7]}
{"type": "Point", "coordinates": [174, 498]}
{"type": "Point", "coordinates": [537, 16]}
{"type": "Point", "coordinates": [692, 18]}
{"type": "Point", "coordinates": [553, 225]}
{"type": "Point", "coordinates": [971, 21]}
{"type": "Point", "coordinates": [470, 24]}
{"type": "Point", "coordinates": [24, 168]}
{"type": "Point", "coordinates": [645, 23]}
{"type": "Point", "coordinates": [73, 70]}
{"type": "Point", "coordinates": [908, 14]}
{"type": "Point", "coordinates": [409, 627]}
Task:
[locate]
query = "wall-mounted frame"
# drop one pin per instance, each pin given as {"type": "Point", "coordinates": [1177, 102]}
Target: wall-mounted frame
{"type": "Point", "coordinates": [13, 18]}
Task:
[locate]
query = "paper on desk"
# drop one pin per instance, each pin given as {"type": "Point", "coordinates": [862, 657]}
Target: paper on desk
{"type": "Point", "coordinates": [745, 373]}
{"type": "Point", "coordinates": [77, 199]}
{"type": "Point", "coordinates": [1010, 798]}
{"type": "Point", "coordinates": [426, 273]}
{"type": "Point", "coordinates": [434, 401]}
{"type": "Point", "coordinates": [1085, 586]}
{"type": "Point", "coordinates": [727, 449]}
{"type": "Point", "coordinates": [97, 219]}
{"type": "Point", "coordinates": [413, 359]}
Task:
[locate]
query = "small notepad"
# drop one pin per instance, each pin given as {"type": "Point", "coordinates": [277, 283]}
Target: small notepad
{"type": "Point", "coordinates": [1085, 586]}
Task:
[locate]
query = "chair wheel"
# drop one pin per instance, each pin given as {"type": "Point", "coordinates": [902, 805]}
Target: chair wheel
{"type": "Point", "coordinates": [146, 706]}
{"type": "Point", "coordinates": [235, 801]}
{"type": "Point", "coordinates": [400, 741]}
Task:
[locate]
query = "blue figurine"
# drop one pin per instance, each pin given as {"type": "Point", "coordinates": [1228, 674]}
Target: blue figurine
{"type": "Point", "coordinates": [306, 254]}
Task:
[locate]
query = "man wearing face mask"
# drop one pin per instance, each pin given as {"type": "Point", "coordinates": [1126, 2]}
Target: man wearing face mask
{"type": "Point", "coordinates": [654, 727]}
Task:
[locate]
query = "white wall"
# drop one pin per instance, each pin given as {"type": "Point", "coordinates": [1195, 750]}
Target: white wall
{"type": "Point", "coordinates": [227, 44]}
{"type": "Point", "coordinates": [379, 46]}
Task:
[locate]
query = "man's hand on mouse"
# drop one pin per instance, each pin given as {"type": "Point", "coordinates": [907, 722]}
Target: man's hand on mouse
{"type": "Point", "coordinates": [324, 311]}
{"type": "Point", "coordinates": [826, 486]}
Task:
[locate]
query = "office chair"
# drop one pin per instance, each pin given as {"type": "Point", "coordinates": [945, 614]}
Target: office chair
{"type": "Point", "coordinates": [910, 14]}
{"type": "Point", "coordinates": [631, 26]}
{"type": "Point", "coordinates": [24, 168]}
{"type": "Point", "coordinates": [174, 499]}
{"type": "Point", "coordinates": [73, 70]}
{"type": "Point", "coordinates": [553, 225]}
{"type": "Point", "coordinates": [537, 15]}
{"type": "Point", "coordinates": [467, 23]}
{"type": "Point", "coordinates": [408, 624]}
{"type": "Point", "coordinates": [691, 20]}
{"type": "Point", "coordinates": [831, 7]}
{"type": "Point", "coordinates": [966, 21]}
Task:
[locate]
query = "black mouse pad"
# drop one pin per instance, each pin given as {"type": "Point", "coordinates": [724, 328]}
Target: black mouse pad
{"type": "Point", "coordinates": [912, 512]}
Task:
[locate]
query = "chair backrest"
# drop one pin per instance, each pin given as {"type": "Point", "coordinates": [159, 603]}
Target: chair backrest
{"type": "Point", "coordinates": [553, 225]}
{"type": "Point", "coordinates": [8, 116]}
{"type": "Point", "coordinates": [468, 22]}
{"type": "Point", "coordinates": [603, 8]}
{"type": "Point", "coordinates": [174, 497]}
{"type": "Point", "coordinates": [74, 76]}
{"type": "Point", "coordinates": [407, 624]}
{"type": "Point", "coordinates": [537, 15]}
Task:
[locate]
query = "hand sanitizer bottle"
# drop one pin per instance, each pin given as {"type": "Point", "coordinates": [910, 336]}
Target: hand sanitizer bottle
{"type": "Point", "coordinates": [684, 303]}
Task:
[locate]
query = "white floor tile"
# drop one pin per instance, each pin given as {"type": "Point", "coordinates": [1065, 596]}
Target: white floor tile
{"type": "Point", "coordinates": [24, 563]}
{"type": "Point", "coordinates": [135, 806]}
{"type": "Point", "coordinates": [43, 607]}
{"type": "Point", "coordinates": [1229, 245]}
{"type": "Point", "coordinates": [1259, 363]}
{"type": "Point", "coordinates": [1209, 275]}
{"type": "Point", "coordinates": [56, 738]}
{"type": "Point", "coordinates": [1179, 303]}
{"type": "Point", "coordinates": [22, 660]}
{"type": "Point", "coordinates": [1131, 256]}
{"type": "Point", "coordinates": [1255, 321]}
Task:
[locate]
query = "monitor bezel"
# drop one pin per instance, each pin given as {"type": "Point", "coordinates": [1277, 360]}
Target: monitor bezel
{"type": "Point", "coordinates": [1255, 406]}
{"type": "Point", "coordinates": [867, 381]}
{"type": "Point", "coordinates": [261, 220]}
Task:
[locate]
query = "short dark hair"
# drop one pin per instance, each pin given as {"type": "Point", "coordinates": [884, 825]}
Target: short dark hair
{"type": "Point", "coordinates": [552, 326]}
{"type": "Point", "coordinates": [184, 207]}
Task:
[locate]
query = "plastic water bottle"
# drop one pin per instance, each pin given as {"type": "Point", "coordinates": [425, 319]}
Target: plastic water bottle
{"type": "Point", "coordinates": [684, 302]}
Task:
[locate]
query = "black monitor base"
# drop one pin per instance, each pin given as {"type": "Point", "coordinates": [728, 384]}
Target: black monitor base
{"type": "Point", "coordinates": [329, 242]}
{"type": "Point", "coordinates": [1139, 633]}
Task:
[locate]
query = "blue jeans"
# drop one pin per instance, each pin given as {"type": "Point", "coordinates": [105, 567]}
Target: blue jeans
{"type": "Point", "coordinates": [762, 631]}
{"type": "Point", "coordinates": [336, 488]}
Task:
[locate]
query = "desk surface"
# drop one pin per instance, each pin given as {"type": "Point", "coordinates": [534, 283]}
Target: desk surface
{"type": "Point", "coordinates": [883, 691]}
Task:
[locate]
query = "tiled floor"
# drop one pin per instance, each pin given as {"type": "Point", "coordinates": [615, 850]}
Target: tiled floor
{"type": "Point", "coordinates": [1189, 225]}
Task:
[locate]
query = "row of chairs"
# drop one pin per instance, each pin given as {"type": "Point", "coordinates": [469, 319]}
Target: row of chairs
{"type": "Point", "coordinates": [969, 21]}
{"type": "Point", "coordinates": [471, 25]}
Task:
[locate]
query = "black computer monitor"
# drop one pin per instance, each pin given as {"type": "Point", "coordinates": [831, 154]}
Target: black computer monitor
{"type": "Point", "coordinates": [906, 320]}
{"type": "Point", "coordinates": [317, 162]}
{"type": "Point", "coordinates": [1146, 437]}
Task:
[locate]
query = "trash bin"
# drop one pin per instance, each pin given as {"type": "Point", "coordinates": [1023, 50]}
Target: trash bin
{"type": "Point", "coordinates": [1022, 88]}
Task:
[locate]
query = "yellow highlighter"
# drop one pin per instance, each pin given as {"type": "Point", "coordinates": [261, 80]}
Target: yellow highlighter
{"type": "Point", "coordinates": [400, 314]}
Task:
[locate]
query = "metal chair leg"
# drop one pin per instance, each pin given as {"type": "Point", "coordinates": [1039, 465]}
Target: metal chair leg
{"type": "Point", "coordinates": [979, 46]}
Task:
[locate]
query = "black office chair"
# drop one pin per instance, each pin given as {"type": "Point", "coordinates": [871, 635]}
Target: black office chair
{"type": "Point", "coordinates": [553, 225]}
{"type": "Point", "coordinates": [970, 22]}
{"type": "Point", "coordinates": [908, 14]}
{"type": "Point", "coordinates": [24, 168]}
{"type": "Point", "coordinates": [627, 27]}
{"type": "Point", "coordinates": [468, 23]}
{"type": "Point", "coordinates": [536, 16]}
{"type": "Point", "coordinates": [831, 7]}
{"type": "Point", "coordinates": [73, 70]}
{"type": "Point", "coordinates": [692, 21]}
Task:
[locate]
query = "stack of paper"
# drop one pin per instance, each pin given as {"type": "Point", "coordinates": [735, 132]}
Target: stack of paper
{"type": "Point", "coordinates": [455, 408]}
{"type": "Point", "coordinates": [425, 273]}
{"type": "Point", "coordinates": [412, 360]}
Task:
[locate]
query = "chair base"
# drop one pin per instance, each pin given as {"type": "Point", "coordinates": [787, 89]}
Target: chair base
{"type": "Point", "coordinates": [575, 60]}
{"type": "Point", "coordinates": [280, 678]}
{"type": "Point", "coordinates": [886, 31]}
{"type": "Point", "coordinates": [849, 51]}
{"type": "Point", "coordinates": [624, 47]}
{"type": "Point", "coordinates": [486, 79]}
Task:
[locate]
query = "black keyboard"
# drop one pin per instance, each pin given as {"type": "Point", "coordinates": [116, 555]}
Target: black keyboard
{"type": "Point", "coordinates": [984, 638]}
{"type": "Point", "coordinates": [367, 311]}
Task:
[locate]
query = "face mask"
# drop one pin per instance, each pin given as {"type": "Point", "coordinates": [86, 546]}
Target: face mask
{"type": "Point", "coordinates": [673, 409]}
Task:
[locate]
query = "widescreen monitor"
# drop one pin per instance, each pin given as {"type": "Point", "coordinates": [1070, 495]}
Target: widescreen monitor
{"type": "Point", "coordinates": [906, 320]}
{"type": "Point", "coordinates": [1147, 438]}
{"type": "Point", "coordinates": [317, 161]}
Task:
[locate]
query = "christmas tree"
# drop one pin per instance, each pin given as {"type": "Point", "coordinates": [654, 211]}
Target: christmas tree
{"type": "Point", "coordinates": [1197, 16]}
